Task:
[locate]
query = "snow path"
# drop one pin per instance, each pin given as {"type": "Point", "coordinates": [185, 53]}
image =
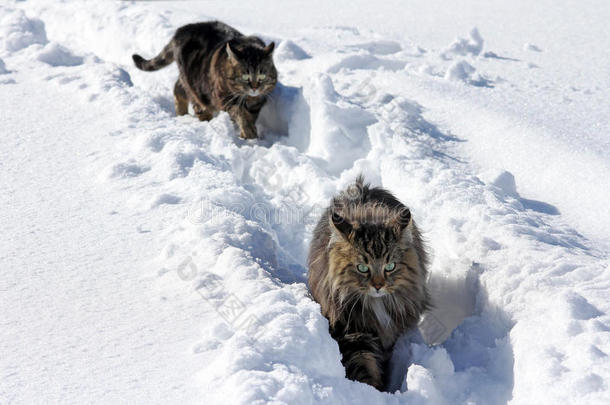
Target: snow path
{"type": "Point", "coordinates": [222, 315]}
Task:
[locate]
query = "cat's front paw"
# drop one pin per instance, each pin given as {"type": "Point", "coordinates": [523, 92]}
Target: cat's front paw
{"type": "Point", "coordinates": [202, 113]}
{"type": "Point", "coordinates": [204, 116]}
{"type": "Point", "coordinates": [364, 367]}
{"type": "Point", "coordinates": [362, 353]}
{"type": "Point", "coordinates": [248, 133]}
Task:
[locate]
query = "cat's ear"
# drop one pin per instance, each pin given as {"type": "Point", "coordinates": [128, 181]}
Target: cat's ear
{"type": "Point", "coordinates": [231, 52]}
{"type": "Point", "coordinates": [341, 225]}
{"type": "Point", "coordinates": [269, 49]}
{"type": "Point", "coordinates": [401, 220]}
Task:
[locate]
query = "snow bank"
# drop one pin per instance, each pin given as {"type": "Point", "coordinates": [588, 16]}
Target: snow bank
{"type": "Point", "coordinates": [463, 47]}
{"type": "Point", "coordinates": [18, 31]}
{"type": "Point", "coordinates": [56, 55]}
{"type": "Point", "coordinates": [287, 50]}
{"type": "Point", "coordinates": [462, 71]}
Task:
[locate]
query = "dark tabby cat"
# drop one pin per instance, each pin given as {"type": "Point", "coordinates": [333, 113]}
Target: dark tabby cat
{"type": "Point", "coordinates": [367, 270]}
{"type": "Point", "coordinates": [220, 69]}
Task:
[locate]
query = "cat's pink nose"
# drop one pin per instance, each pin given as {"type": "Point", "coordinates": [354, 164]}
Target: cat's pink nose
{"type": "Point", "coordinates": [378, 286]}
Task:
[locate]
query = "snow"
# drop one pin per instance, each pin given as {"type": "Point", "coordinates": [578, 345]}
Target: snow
{"type": "Point", "coordinates": [463, 47]}
{"type": "Point", "coordinates": [462, 71]}
{"type": "Point", "coordinates": [151, 258]}
{"type": "Point", "coordinates": [57, 55]}
{"type": "Point", "coordinates": [288, 50]}
{"type": "Point", "coordinates": [18, 31]}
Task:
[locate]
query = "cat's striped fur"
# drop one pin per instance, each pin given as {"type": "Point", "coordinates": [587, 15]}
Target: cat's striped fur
{"type": "Point", "coordinates": [220, 70]}
{"type": "Point", "coordinates": [368, 311]}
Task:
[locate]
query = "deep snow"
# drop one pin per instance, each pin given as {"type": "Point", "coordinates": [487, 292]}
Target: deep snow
{"type": "Point", "coordinates": [151, 258]}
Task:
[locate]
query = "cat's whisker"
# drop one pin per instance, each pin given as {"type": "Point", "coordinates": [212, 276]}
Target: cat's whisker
{"type": "Point", "coordinates": [230, 100]}
{"type": "Point", "coordinates": [349, 316]}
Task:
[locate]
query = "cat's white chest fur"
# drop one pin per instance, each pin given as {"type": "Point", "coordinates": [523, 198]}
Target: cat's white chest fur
{"type": "Point", "coordinates": [381, 313]}
{"type": "Point", "coordinates": [386, 332]}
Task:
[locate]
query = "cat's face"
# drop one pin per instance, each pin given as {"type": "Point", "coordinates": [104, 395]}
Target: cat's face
{"type": "Point", "coordinates": [371, 259]}
{"type": "Point", "coordinates": [252, 70]}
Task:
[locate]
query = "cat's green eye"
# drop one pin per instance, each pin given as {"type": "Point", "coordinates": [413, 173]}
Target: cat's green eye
{"type": "Point", "coordinates": [362, 268]}
{"type": "Point", "coordinates": [390, 267]}
{"type": "Point", "coordinates": [245, 78]}
{"type": "Point", "coordinates": [261, 76]}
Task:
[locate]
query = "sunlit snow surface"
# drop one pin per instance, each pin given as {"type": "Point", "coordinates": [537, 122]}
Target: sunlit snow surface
{"type": "Point", "coordinates": [154, 259]}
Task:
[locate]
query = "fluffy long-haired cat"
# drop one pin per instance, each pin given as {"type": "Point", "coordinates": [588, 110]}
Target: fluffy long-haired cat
{"type": "Point", "coordinates": [220, 70]}
{"type": "Point", "coordinates": [367, 270]}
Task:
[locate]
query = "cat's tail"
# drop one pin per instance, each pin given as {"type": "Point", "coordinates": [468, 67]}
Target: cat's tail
{"type": "Point", "coordinates": [160, 61]}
